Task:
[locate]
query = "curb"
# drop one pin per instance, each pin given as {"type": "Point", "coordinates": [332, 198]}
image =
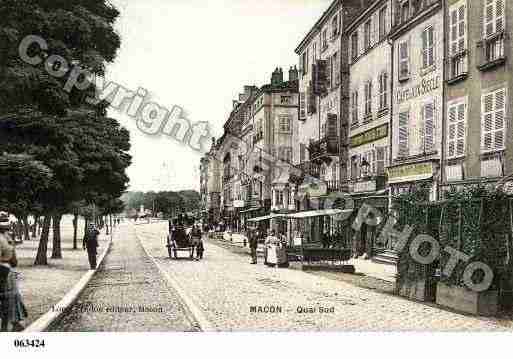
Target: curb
{"type": "Point", "coordinates": [197, 313]}
{"type": "Point", "coordinates": [46, 320]}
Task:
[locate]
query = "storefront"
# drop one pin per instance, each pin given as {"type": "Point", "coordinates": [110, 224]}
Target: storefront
{"type": "Point", "coordinates": [404, 178]}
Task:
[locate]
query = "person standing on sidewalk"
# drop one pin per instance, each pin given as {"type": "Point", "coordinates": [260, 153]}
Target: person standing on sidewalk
{"type": "Point", "coordinates": [253, 245]}
{"type": "Point", "coordinates": [91, 244]}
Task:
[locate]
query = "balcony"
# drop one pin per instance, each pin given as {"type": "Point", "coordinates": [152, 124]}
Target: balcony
{"type": "Point", "coordinates": [458, 69]}
{"type": "Point", "coordinates": [323, 149]}
{"type": "Point", "coordinates": [371, 183]}
{"type": "Point", "coordinates": [492, 52]}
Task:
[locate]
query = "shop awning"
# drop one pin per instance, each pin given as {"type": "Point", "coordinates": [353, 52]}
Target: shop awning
{"type": "Point", "coordinates": [271, 216]}
{"type": "Point", "coordinates": [319, 213]}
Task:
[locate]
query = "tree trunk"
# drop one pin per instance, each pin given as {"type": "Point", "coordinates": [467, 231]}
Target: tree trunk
{"type": "Point", "coordinates": [34, 229]}
{"type": "Point", "coordinates": [75, 230]}
{"type": "Point", "coordinates": [56, 248]}
{"type": "Point", "coordinates": [110, 219]}
{"type": "Point", "coordinates": [41, 257]}
{"type": "Point", "coordinates": [106, 225]}
{"type": "Point", "coordinates": [26, 233]}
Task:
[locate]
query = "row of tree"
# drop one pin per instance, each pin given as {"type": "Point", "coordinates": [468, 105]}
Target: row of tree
{"type": "Point", "coordinates": [58, 153]}
{"type": "Point", "coordinates": [167, 202]}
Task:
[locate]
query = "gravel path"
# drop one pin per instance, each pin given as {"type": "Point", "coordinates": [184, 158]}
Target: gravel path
{"type": "Point", "coordinates": [128, 294]}
{"type": "Point", "coordinates": [226, 288]}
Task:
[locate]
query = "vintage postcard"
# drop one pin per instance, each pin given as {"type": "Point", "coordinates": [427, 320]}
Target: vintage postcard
{"type": "Point", "coordinates": [289, 166]}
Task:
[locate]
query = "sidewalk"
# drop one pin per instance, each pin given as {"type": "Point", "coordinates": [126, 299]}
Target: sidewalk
{"type": "Point", "coordinates": [44, 286]}
{"type": "Point", "coordinates": [382, 272]}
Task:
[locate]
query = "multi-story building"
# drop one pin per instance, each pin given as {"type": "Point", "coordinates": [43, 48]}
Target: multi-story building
{"type": "Point", "coordinates": [370, 98]}
{"type": "Point", "coordinates": [478, 133]}
{"type": "Point", "coordinates": [321, 145]}
{"type": "Point", "coordinates": [204, 189]}
{"type": "Point", "coordinates": [213, 185]}
{"type": "Point", "coordinates": [417, 77]}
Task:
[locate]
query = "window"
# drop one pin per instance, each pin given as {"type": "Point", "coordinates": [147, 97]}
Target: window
{"type": "Point", "coordinates": [458, 29]}
{"type": "Point", "coordinates": [302, 106]}
{"type": "Point", "coordinates": [403, 134]}
{"type": "Point", "coordinates": [314, 51]}
{"type": "Point", "coordinates": [493, 17]}
{"type": "Point", "coordinates": [285, 100]}
{"type": "Point", "coordinates": [405, 11]}
{"type": "Point", "coordinates": [493, 122]}
{"type": "Point", "coordinates": [428, 58]}
{"type": "Point", "coordinates": [334, 27]}
{"type": "Point", "coordinates": [325, 39]}
{"type": "Point", "coordinates": [284, 124]}
{"type": "Point", "coordinates": [383, 91]}
{"type": "Point", "coordinates": [354, 167]}
{"type": "Point", "coordinates": [285, 154]}
{"type": "Point", "coordinates": [456, 136]}
{"type": "Point", "coordinates": [368, 98]}
{"type": "Point", "coordinates": [304, 63]}
{"type": "Point", "coordinates": [354, 108]}
{"type": "Point", "coordinates": [367, 35]}
{"type": "Point", "coordinates": [380, 160]}
{"type": "Point", "coordinates": [494, 48]}
{"type": "Point", "coordinates": [428, 133]}
{"type": "Point", "coordinates": [404, 61]}
{"type": "Point", "coordinates": [354, 46]}
{"type": "Point", "coordinates": [382, 23]}
{"type": "Point", "coordinates": [336, 70]}
{"type": "Point", "coordinates": [302, 152]}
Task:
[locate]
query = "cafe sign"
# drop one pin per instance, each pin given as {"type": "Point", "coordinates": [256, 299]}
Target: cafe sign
{"type": "Point", "coordinates": [425, 87]}
{"type": "Point", "coordinates": [372, 135]}
{"type": "Point", "coordinates": [408, 173]}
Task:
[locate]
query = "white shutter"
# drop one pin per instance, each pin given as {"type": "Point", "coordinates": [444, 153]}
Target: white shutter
{"type": "Point", "coordinates": [489, 18]}
{"type": "Point", "coordinates": [429, 127]}
{"type": "Point", "coordinates": [451, 132]}
{"type": "Point", "coordinates": [494, 17]}
{"type": "Point", "coordinates": [500, 119]}
{"type": "Point", "coordinates": [403, 133]}
{"type": "Point", "coordinates": [493, 123]}
{"type": "Point", "coordinates": [487, 122]}
{"type": "Point", "coordinates": [461, 129]}
{"type": "Point", "coordinates": [428, 47]}
{"type": "Point", "coordinates": [302, 105]}
{"type": "Point", "coordinates": [380, 160]}
{"type": "Point", "coordinates": [458, 29]}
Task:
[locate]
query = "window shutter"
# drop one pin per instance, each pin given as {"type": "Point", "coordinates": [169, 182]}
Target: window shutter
{"type": "Point", "coordinates": [462, 29]}
{"type": "Point", "coordinates": [460, 134]}
{"type": "Point", "coordinates": [302, 106]}
{"type": "Point", "coordinates": [487, 122]}
{"type": "Point", "coordinates": [380, 160]}
{"type": "Point", "coordinates": [499, 15]}
{"type": "Point", "coordinates": [404, 70]}
{"type": "Point", "coordinates": [403, 133]}
{"type": "Point", "coordinates": [500, 119]}
{"type": "Point", "coordinates": [332, 126]}
{"type": "Point", "coordinates": [429, 127]}
{"type": "Point", "coordinates": [453, 26]}
{"type": "Point", "coordinates": [451, 136]}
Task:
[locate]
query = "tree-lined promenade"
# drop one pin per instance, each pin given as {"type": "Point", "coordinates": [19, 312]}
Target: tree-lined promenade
{"type": "Point", "coordinates": [58, 153]}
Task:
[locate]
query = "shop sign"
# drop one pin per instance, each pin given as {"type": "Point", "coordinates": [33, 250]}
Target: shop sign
{"type": "Point", "coordinates": [372, 135]}
{"type": "Point", "coordinates": [366, 186]}
{"type": "Point", "coordinates": [413, 172]}
{"type": "Point", "coordinates": [314, 189]}
{"type": "Point", "coordinates": [425, 87]}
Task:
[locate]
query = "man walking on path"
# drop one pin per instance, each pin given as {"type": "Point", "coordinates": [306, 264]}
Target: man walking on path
{"type": "Point", "coordinates": [6, 257]}
{"type": "Point", "coordinates": [253, 244]}
{"type": "Point", "coordinates": [91, 244]}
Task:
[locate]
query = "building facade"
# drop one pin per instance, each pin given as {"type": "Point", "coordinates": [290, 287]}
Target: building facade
{"type": "Point", "coordinates": [478, 132]}
{"type": "Point", "coordinates": [418, 103]}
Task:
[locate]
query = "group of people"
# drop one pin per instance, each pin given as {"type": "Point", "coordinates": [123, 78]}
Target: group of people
{"type": "Point", "coordinates": [255, 236]}
{"type": "Point", "coordinates": [12, 309]}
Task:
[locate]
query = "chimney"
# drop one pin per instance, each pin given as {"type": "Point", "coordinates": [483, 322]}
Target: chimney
{"type": "Point", "coordinates": [293, 74]}
{"type": "Point", "coordinates": [277, 77]}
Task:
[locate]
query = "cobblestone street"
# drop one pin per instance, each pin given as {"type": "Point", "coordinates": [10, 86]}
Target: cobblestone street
{"type": "Point", "coordinates": [224, 286]}
{"type": "Point", "coordinates": [127, 294]}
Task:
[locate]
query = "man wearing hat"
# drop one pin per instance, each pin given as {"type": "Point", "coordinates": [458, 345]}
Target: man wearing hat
{"type": "Point", "coordinates": [6, 258]}
{"type": "Point", "coordinates": [91, 244]}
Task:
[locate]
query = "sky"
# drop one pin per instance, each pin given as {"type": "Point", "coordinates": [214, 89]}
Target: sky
{"type": "Point", "coordinates": [198, 54]}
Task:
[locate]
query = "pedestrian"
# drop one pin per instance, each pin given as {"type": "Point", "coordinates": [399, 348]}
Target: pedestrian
{"type": "Point", "coordinates": [197, 242]}
{"type": "Point", "coordinates": [91, 244]}
{"type": "Point", "coordinates": [12, 308]}
{"type": "Point", "coordinates": [253, 245]}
